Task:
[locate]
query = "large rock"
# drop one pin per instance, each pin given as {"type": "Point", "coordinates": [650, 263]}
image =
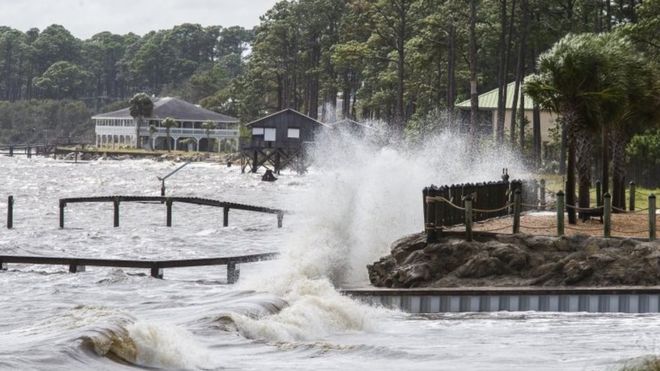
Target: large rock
{"type": "Point", "coordinates": [518, 260]}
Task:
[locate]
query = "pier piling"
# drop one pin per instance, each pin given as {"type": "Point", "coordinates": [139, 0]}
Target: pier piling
{"type": "Point", "coordinates": [652, 217]}
{"type": "Point", "coordinates": [168, 202]}
{"type": "Point", "coordinates": [115, 202]}
{"type": "Point", "coordinates": [560, 213]}
{"type": "Point", "coordinates": [517, 206]}
{"type": "Point", "coordinates": [10, 212]}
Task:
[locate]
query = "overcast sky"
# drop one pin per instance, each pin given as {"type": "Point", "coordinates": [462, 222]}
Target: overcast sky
{"type": "Point", "coordinates": [84, 18]}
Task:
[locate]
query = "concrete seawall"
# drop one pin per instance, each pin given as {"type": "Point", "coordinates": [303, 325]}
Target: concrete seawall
{"type": "Point", "coordinates": [456, 300]}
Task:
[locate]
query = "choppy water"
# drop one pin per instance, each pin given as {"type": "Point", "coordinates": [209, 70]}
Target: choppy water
{"type": "Point", "coordinates": [282, 315]}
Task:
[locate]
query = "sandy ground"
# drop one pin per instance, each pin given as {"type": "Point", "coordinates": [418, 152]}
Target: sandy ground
{"type": "Point", "coordinates": [545, 223]}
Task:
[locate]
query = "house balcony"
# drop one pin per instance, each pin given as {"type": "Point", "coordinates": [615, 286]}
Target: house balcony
{"type": "Point", "coordinates": [190, 132]}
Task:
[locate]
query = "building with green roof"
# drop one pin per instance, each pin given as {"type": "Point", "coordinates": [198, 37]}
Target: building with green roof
{"type": "Point", "coordinates": [488, 102]}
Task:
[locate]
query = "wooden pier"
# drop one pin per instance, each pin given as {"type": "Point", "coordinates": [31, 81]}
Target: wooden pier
{"type": "Point", "coordinates": [25, 149]}
{"type": "Point", "coordinates": [169, 201]}
{"type": "Point", "coordinates": [155, 266]}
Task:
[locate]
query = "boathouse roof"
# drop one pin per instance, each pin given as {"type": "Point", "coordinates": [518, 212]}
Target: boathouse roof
{"type": "Point", "coordinates": [290, 112]}
{"type": "Point", "coordinates": [178, 109]}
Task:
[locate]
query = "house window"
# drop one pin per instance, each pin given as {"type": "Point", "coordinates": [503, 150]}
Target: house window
{"type": "Point", "coordinates": [269, 134]}
{"type": "Point", "coordinates": [257, 131]}
{"type": "Point", "coordinates": [293, 133]}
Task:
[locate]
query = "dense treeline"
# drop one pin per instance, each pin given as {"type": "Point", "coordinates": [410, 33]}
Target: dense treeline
{"type": "Point", "coordinates": [53, 64]}
{"type": "Point", "coordinates": [402, 61]}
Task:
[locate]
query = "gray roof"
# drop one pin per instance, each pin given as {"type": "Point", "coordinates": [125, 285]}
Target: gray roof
{"type": "Point", "coordinates": [178, 109]}
{"type": "Point", "coordinates": [284, 111]}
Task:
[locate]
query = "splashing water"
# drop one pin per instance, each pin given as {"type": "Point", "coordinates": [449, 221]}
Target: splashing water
{"type": "Point", "coordinates": [367, 195]}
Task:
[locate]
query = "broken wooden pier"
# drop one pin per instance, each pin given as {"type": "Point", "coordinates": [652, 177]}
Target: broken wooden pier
{"type": "Point", "coordinates": [155, 266]}
{"type": "Point", "coordinates": [169, 201]}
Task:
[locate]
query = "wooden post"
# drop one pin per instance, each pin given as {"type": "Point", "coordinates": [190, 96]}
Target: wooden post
{"type": "Point", "coordinates": [156, 271]}
{"type": "Point", "coordinates": [233, 273]}
{"type": "Point", "coordinates": [652, 217]}
{"type": "Point", "coordinates": [254, 161]}
{"type": "Point", "coordinates": [11, 151]}
{"type": "Point", "coordinates": [168, 203]}
{"type": "Point", "coordinates": [517, 206]}
{"type": "Point", "coordinates": [599, 193]}
{"type": "Point", "coordinates": [561, 201]}
{"type": "Point", "coordinates": [10, 212]}
{"type": "Point", "coordinates": [632, 196]}
{"type": "Point", "coordinates": [429, 225]}
{"type": "Point", "coordinates": [162, 188]}
{"type": "Point", "coordinates": [607, 215]}
{"type": "Point", "coordinates": [28, 152]}
{"type": "Point", "coordinates": [75, 268]}
{"type": "Point", "coordinates": [543, 203]}
{"type": "Point", "coordinates": [75, 159]}
{"type": "Point", "coordinates": [225, 216]}
{"type": "Point", "coordinates": [280, 217]}
{"type": "Point", "coordinates": [62, 206]}
{"type": "Point", "coordinates": [277, 162]}
{"type": "Point", "coordinates": [115, 203]}
{"type": "Point", "coordinates": [468, 218]}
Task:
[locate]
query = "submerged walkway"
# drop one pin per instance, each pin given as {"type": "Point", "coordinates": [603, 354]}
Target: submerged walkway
{"type": "Point", "coordinates": [155, 266]}
{"type": "Point", "coordinates": [168, 201]}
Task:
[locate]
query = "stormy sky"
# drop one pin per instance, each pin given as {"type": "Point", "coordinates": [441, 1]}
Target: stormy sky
{"type": "Point", "coordinates": [84, 18]}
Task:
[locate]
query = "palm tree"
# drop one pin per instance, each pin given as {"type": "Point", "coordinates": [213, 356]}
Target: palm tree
{"type": "Point", "coordinates": [208, 126]}
{"type": "Point", "coordinates": [141, 107]}
{"type": "Point", "coordinates": [152, 130]}
{"type": "Point", "coordinates": [169, 123]}
{"type": "Point", "coordinates": [637, 108]}
{"type": "Point", "coordinates": [572, 82]}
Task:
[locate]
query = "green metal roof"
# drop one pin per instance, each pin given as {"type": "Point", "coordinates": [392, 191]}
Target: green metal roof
{"type": "Point", "coordinates": [488, 101]}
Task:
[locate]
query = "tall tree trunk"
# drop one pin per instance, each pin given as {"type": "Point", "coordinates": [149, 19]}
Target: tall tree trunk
{"type": "Point", "coordinates": [501, 74]}
{"type": "Point", "coordinates": [474, 98]}
{"type": "Point", "coordinates": [584, 151]}
{"type": "Point", "coordinates": [520, 68]}
{"type": "Point", "coordinates": [451, 71]}
{"type": "Point", "coordinates": [522, 122]}
{"type": "Point", "coordinates": [563, 146]}
{"type": "Point", "coordinates": [570, 124]}
{"type": "Point", "coordinates": [536, 125]}
{"type": "Point", "coordinates": [137, 131]}
{"type": "Point", "coordinates": [605, 157]}
{"type": "Point", "coordinates": [346, 98]}
{"type": "Point", "coordinates": [618, 141]}
{"type": "Point", "coordinates": [399, 115]}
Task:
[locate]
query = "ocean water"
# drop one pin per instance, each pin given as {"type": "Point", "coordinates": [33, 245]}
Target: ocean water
{"type": "Point", "coordinates": [282, 315]}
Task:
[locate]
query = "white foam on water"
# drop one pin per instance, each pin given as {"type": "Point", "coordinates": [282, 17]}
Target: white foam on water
{"type": "Point", "coordinates": [364, 197]}
{"type": "Point", "coordinates": [163, 345]}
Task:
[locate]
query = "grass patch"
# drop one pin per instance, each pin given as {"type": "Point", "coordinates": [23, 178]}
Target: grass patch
{"type": "Point", "coordinates": [554, 183]}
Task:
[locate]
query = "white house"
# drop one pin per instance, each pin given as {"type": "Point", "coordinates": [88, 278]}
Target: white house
{"type": "Point", "coordinates": [118, 128]}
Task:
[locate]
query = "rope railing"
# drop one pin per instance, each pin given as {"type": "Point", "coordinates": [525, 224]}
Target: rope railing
{"type": "Point", "coordinates": [516, 205]}
{"type": "Point", "coordinates": [474, 210]}
{"type": "Point", "coordinates": [586, 209]}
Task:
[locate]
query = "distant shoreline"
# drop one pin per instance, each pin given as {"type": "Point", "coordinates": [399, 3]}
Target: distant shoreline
{"type": "Point", "coordinates": [89, 154]}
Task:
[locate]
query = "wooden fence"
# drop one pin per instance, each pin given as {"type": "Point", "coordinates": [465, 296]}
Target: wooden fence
{"type": "Point", "coordinates": [446, 206]}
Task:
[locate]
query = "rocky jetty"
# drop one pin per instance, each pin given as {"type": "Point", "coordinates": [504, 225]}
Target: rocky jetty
{"type": "Point", "coordinates": [518, 260]}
